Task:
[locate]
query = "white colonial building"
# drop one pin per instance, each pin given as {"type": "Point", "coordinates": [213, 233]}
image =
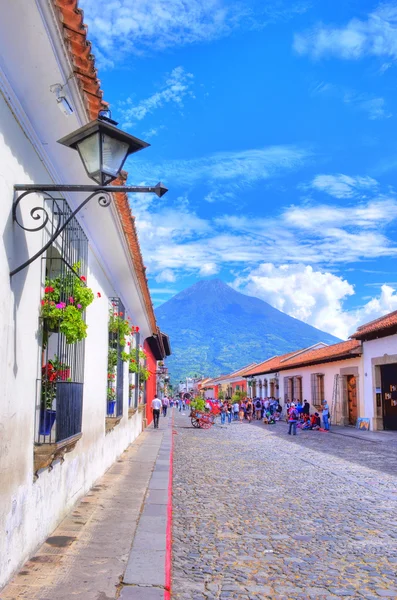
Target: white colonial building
{"type": "Point", "coordinates": [315, 374]}
{"type": "Point", "coordinates": [379, 342]}
{"type": "Point", "coordinates": [69, 404]}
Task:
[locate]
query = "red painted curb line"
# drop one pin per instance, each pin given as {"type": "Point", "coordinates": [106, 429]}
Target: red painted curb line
{"type": "Point", "coordinates": [168, 541]}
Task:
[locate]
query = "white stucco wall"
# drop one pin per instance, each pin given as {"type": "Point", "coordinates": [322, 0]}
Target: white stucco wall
{"type": "Point", "coordinates": [329, 370]}
{"type": "Point", "coordinates": [30, 124]}
{"type": "Point", "coordinates": [382, 350]}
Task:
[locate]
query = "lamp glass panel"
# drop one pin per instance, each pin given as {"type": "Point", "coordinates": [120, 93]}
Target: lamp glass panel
{"type": "Point", "coordinates": [90, 154]}
{"type": "Point", "coordinates": [114, 153]}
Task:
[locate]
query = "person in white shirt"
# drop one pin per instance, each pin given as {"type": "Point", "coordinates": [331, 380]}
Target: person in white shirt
{"type": "Point", "coordinates": [156, 407]}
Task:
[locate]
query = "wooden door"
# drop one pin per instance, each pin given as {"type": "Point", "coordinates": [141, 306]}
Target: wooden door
{"type": "Point", "coordinates": [389, 395]}
{"type": "Point", "coordinates": [352, 398]}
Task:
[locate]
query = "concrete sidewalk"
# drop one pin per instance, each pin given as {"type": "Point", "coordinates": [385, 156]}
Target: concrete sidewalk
{"type": "Point", "coordinates": [385, 437]}
{"type": "Point", "coordinates": [114, 540]}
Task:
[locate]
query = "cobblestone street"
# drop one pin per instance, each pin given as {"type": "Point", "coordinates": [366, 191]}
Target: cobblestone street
{"type": "Point", "coordinates": [260, 514]}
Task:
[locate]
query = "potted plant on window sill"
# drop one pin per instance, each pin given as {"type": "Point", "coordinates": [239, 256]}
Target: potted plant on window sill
{"type": "Point", "coordinates": [52, 372]}
{"type": "Point", "coordinates": [111, 397]}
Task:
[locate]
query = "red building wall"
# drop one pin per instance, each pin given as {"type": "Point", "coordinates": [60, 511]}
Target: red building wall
{"type": "Point", "coordinates": [242, 385]}
{"type": "Point", "coordinates": [151, 382]}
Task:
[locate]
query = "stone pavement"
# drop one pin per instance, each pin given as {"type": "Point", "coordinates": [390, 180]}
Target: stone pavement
{"type": "Point", "coordinates": [112, 545]}
{"type": "Point", "coordinates": [260, 514]}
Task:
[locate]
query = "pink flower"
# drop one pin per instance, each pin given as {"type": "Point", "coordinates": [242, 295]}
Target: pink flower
{"type": "Point", "coordinates": [71, 300]}
{"type": "Point", "coordinates": [98, 294]}
{"type": "Point", "coordinates": [59, 305]}
{"type": "Point", "coordinates": [79, 306]}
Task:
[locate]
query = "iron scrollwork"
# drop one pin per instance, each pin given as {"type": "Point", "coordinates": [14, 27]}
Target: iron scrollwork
{"type": "Point", "coordinates": [41, 213]}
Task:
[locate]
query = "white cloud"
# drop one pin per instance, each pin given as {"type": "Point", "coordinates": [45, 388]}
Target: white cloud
{"type": "Point", "coordinates": [227, 167]}
{"type": "Point", "coordinates": [376, 36]}
{"type": "Point", "coordinates": [374, 107]}
{"type": "Point", "coordinates": [342, 186]}
{"type": "Point", "coordinates": [123, 27]}
{"type": "Point", "coordinates": [139, 26]}
{"type": "Point", "coordinates": [167, 276]}
{"type": "Point", "coordinates": [314, 296]}
{"type": "Point", "coordinates": [209, 269]}
{"type": "Point", "coordinates": [177, 86]}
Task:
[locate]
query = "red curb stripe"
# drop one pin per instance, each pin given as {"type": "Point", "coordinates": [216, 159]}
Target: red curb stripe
{"type": "Point", "coordinates": [168, 542]}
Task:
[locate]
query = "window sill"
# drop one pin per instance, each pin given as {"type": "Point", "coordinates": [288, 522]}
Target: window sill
{"type": "Point", "coordinates": [111, 423]}
{"type": "Point", "coordinates": [46, 454]}
{"type": "Point", "coordinates": [141, 407]}
{"type": "Point", "coordinates": [131, 412]}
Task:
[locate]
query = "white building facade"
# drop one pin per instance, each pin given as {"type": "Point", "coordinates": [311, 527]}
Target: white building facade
{"type": "Point", "coordinates": [316, 374]}
{"type": "Point", "coordinates": [59, 431]}
{"type": "Point", "coordinates": [379, 340]}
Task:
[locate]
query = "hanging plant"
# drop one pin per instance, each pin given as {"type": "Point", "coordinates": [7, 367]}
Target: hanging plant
{"type": "Point", "coordinates": [120, 326]}
{"type": "Point", "coordinates": [65, 299]}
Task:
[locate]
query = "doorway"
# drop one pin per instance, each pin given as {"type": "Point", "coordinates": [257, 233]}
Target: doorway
{"type": "Point", "coordinates": [351, 382]}
{"type": "Point", "coordinates": [389, 395]}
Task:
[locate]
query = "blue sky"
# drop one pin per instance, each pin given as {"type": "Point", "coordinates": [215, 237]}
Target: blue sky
{"type": "Point", "coordinates": [273, 125]}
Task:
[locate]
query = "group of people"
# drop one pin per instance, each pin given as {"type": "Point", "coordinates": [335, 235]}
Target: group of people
{"type": "Point", "coordinates": [268, 410]}
{"type": "Point", "coordinates": [298, 415]}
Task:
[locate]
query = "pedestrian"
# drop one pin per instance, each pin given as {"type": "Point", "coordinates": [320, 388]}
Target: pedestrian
{"type": "Point", "coordinates": [248, 411]}
{"type": "Point", "coordinates": [236, 408]}
{"type": "Point", "coordinates": [180, 404]}
{"type": "Point", "coordinates": [292, 419]}
{"type": "Point", "coordinates": [306, 408]}
{"type": "Point", "coordinates": [223, 413]}
{"type": "Point", "coordinates": [258, 409]}
{"type": "Point", "coordinates": [229, 412]}
{"type": "Point", "coordinates": [241, 412]}
{"type": "Point", "coordinates": [156, 406]}
{"type": "Point", "coordinates": [165, 406]}
{"type": "Point", "coordinates": [326, 416]}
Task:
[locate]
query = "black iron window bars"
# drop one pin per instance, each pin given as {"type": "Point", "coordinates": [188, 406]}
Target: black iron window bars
{"type": "Point", "coordinates": [59, 399]}
{"type": "Point", "coordinates": [114, 401]}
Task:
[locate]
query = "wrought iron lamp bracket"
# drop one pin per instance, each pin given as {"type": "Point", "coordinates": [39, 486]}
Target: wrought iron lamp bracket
{"type": "Point", "coordinates": [40, 213]}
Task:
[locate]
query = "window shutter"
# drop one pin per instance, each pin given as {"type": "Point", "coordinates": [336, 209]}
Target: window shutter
{"type": "Point", "coordinates": [313, 378]}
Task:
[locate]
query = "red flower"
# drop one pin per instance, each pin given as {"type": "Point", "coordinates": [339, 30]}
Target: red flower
{"type": "Point", "coordinates": [137, 329]}
{"type": "Point", "coordinates": [48, 289]}
{"type": "Point", "coordinates": [83, 278]}
{"type": "Point", "coordinates": [43, 302]}
{"type": "Point", "coordinates": [121, 314]}
{"type": "Point", "coordinates": [128, 344]}
{"type": "Point", "coordinates": [98, 294]}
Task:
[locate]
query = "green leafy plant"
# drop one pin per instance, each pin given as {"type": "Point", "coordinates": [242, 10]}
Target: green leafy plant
{"type": "Point", "coordinates": [119, 325]}
{"type": "Point", "coordinates": [221, 395]}
{"type": "Point", "coordinates": [198, 403]}
{"type": "Point", "coordinates": [65, 299]}
{"type": "Point", "coordinates": [125, 356]}
{"type": "Point", "coordinates": [111, 394]}
{"type": "Point", "coordinates": [239, 396]}
{"type": "Point", "coordinates": [144, 373]}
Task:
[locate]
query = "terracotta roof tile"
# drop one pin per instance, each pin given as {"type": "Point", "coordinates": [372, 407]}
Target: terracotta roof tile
{"type": "Point", "coordinates": [75, 36]}
{"type": "Point", "coordinates": [327, 354]}
{"type": "Point", "coordinates": [378, 326]}
{"type": "Point", "coordinates": [271, 364]}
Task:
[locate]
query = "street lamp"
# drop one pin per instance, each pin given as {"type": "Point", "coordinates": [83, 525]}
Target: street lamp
{"type": "Point", "coordinates": [103, 149]}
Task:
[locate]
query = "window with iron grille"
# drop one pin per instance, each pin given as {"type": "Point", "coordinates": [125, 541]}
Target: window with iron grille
{"type": "Point", "coordinates": [114, 402]}
{"type": "Point", "coordinates": [59, 405]}
{"type": "Point", "coordinates": [134, 375]}
{"type": "Point", "coordinates": [317, 384]}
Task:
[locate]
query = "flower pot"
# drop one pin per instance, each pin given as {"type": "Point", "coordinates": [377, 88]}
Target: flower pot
{"type": "Point", "coordinates": [47, 420]}
{"type": "Point", "coordinates": [111, 405]}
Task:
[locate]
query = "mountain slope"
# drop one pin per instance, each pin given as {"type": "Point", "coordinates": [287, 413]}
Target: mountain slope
{"type": "Point", "coordinates": [214, 330]}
